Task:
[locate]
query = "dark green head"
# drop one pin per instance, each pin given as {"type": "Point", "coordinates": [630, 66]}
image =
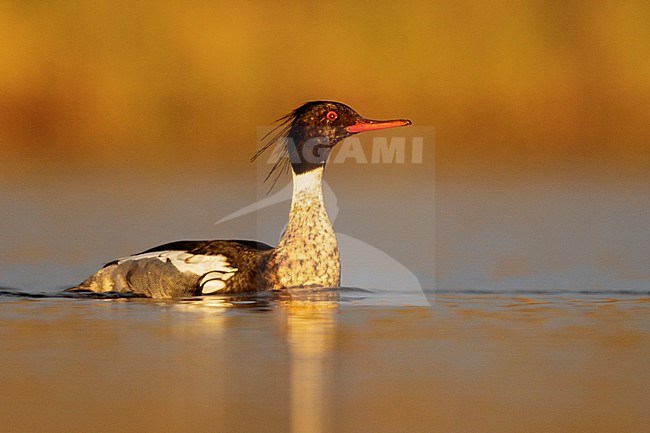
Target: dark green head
{"type": "Point", "coordinates": [308, 134]}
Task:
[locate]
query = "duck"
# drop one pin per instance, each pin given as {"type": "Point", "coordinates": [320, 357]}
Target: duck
{"type": "Point", "coordinates": [307, 254]}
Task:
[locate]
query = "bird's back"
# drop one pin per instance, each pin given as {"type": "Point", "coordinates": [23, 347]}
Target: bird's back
{"type": "Point", "coordinates": [185, 268]}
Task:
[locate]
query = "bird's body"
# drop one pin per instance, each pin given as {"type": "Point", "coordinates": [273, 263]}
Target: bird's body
{"type": "Point", "coordinates": [307, 254]}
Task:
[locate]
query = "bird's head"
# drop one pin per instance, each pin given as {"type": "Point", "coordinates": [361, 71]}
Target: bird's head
{"type": "Point", "coordinates": [306, 136]}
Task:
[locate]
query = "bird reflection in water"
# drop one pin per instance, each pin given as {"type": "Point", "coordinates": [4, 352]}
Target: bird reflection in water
{"type": "Point", "coordinates": [308, 322]}
{"type": "Point", "coordinates": [311, 326]}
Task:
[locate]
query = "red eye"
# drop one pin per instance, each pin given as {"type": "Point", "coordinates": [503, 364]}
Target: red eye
{"type": "Point", "coordinates": [331, 115]}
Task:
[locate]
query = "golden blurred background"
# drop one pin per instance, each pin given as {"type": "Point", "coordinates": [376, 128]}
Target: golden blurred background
{"type": "Point", "coordinates": [505, 84]}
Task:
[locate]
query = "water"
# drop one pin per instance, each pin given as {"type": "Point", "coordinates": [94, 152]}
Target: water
{"type": "Point", "coordinates": [468, 363]}
{"type": "Point", "coordinates": [533, 313]}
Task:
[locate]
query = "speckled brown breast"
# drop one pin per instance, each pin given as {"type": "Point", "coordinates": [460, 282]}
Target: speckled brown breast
{"type": "Point", "coordinates": [308, 253]}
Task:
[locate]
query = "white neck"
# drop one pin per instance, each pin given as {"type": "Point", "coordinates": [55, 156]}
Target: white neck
{"type": "Point", "coordinates": [308, 185]}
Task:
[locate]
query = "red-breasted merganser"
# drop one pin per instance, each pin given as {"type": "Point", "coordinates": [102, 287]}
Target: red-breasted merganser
{"type": "Point", "coordinates": [307, 254]}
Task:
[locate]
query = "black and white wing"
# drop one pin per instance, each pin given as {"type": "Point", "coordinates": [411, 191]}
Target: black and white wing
{"type": "Point", "coordinates": [184, 268]}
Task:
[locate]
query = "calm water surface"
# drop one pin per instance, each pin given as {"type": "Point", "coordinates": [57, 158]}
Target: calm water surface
{"type": "Point", "coordinates": [533, 314]}
{"type": "Point", "coordinates": [479, 363]}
